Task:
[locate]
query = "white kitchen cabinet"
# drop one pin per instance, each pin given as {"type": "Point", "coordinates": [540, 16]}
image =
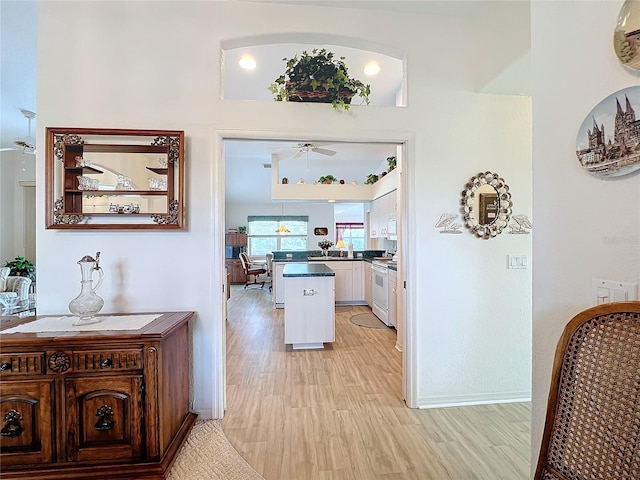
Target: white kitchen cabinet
{"type": "Point", "coordinates": [358, 281]}
{"type": "Point", "coordinates": [349, 281]}
{"type": "Point", "coordinates": [382, 210]}
{"type": "Point", "coordinates": [392, 205]}
{"type": "Point", "coordinates": [373, 220]}
{"type": "Point", "coordinates": [278, 283]}
{"type": "Point", "coordinates": [368, 283]}
{"type": "Point", "coordinates": [309, 315]}
{"type": "Point", "coordinates": [392, 312]}
{"type": "Point", "coordinates": [344, 279]}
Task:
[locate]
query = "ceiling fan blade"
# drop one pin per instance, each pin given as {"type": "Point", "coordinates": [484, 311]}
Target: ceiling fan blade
{"type": "Point", "coordinates": [298, 154]}
{"type": "Point", "coordinates": [323, 151]}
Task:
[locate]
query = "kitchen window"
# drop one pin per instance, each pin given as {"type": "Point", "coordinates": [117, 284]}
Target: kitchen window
{"type": "Point", "coordinates": [351, 233]}
{"type": "Point", "coordinates": [268, 233]}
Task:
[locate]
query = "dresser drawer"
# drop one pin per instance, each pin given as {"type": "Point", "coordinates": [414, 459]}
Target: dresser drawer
{"type": "Point", "coordinates": [25, 363]}
{"type": "Point", "coordinates": [107, 360]}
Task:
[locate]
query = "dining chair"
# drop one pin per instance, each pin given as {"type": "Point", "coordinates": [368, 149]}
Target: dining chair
{"type": "Point", "coordinates": [593, 411]}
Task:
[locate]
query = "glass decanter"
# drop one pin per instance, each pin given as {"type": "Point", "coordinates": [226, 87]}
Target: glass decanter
{"type": "Point", "coordinates": [87, 303]}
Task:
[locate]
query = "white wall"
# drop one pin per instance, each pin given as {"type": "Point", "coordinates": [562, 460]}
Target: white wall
{"type": "Point", "coordinates": [156, 65]}
{"type": "Point", "coordinates": [585, 227]}
{"type": "Point", "coordinates": [320, 215]}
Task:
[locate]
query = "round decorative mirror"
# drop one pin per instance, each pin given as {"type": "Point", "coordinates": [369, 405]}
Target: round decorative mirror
{"type": "Point", "coordinates": [486, 204]}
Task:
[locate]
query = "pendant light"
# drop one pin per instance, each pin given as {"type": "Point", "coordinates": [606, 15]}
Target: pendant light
{"type": "Point", "coordinates": [282, 228]}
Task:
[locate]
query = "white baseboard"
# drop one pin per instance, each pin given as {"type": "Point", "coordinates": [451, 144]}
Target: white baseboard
{"type": "Point", "coordinates": [468, 400]}
{"type": "Point", "coordinates": [206, 414]}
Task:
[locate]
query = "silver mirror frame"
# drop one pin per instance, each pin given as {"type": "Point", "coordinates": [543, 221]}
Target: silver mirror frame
{"type": "Point", "coordinates": [468, 202]}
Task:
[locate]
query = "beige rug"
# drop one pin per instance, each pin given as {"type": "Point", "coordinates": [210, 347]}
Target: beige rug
{"type": "Point", "coordinates": [368, 320]}
{"type": "Point", "coordinates": [208, 455]}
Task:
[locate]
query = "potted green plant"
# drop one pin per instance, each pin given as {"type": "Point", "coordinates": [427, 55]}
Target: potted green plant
{"type": "Point", "coordinates": [327, 179]}
{"type": "Point", "coordinates": [391, 162]}
{"type": "Point", "coordinates": [318, 77]}
{"type": "Point", "coordinates": [371, 179]}
{"type": "Point", "coordinates": [21, 267]}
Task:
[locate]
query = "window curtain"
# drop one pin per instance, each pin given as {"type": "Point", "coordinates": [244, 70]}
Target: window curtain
{"type": "Point", "coordinates": [342, 226]}
{"type": "Point", "coordinates": [278, 218]}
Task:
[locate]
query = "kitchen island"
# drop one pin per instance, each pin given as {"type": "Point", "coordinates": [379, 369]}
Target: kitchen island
{"type": "Point", "coordinates": [309, 314]}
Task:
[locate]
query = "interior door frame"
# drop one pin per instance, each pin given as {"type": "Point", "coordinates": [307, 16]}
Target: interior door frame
{"type": "Point", "coordinates": [406, 269]}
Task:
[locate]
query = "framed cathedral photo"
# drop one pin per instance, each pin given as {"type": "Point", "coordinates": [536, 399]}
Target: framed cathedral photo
{"type": "Point", "coordinates": [608, 141]}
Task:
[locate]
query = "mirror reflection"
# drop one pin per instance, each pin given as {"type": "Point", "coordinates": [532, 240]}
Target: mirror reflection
{"type": "Point", "coordinates": [486, 204]}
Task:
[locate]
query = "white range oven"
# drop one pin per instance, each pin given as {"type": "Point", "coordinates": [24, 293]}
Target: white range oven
{"type": "Point", "coordinates": [381, 291]}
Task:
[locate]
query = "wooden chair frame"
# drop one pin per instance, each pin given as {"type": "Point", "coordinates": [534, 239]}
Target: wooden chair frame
{"type": "Point", "coordinates": [572, 412]}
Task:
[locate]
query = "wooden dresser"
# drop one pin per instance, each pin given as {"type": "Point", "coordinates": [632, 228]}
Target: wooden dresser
{"type": "Point", "coordinates": [103, 404]}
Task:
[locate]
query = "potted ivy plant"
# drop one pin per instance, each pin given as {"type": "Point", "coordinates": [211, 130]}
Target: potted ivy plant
{"type": "Point", "coordinates": [327, 179]}
{"type": "Point", "coordinates": [318, 77]}
{"type": "Point", "coordinates": [391, 162]}
{"type": "Point", "coordinates": [371, 179]}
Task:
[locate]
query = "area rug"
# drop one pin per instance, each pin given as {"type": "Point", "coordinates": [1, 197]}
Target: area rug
{"type": "Point", "coordinates": [208, 455]}
{"type": "Point", "coordinates": [368, 320]}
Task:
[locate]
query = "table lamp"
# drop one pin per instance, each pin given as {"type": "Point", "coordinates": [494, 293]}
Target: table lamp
{"type": "Point", "coordinates": [340, 245]}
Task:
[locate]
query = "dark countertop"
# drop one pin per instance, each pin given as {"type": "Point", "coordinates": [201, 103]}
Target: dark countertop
{"type": "Point", "coordinates": [334, 259]}
{"type": "Point", "coordinates": [307, 270]}
{"type": "Point", "coordinates": [320, 259]}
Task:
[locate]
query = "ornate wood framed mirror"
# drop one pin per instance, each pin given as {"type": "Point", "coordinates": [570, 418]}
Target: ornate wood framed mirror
{"type": "Point", "coordinates": [486, 204]}
{"type": "Point", "coordinates": [114, 179]}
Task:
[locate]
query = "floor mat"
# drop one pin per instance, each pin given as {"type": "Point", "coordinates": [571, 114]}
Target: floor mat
{"type": "Point", "coordinates": [368, 320]}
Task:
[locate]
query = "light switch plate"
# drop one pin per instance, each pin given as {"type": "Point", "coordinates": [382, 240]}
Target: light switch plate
{"type": "Point", "coordinates": [517, 261]}
{"type": "Point", "coordinates": [607, 291]}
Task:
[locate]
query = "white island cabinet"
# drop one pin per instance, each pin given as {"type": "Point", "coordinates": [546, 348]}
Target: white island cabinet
{"type": "Point", "coordinates": [309, 313]}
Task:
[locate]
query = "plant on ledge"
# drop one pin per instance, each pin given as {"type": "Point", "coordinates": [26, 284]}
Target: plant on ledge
{"type": "Point", "coordinates": [391, 161]}
{"type": "Point", "coordinates": [318, 77]}
{"type": "Point", "coordinates": [327, 179]}
{"type": "Point", "coordinates": [21, 267]}
{"type": "Point", "coordinates": [371, 179]}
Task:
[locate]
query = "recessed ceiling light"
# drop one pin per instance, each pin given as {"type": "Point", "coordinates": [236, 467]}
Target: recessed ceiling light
{"type": "Point", "coordinates": [371, 69]}
{"type": "Point", "coordinates": [331, 201]}
{"type": "Point", "coordinates": [247, 62]}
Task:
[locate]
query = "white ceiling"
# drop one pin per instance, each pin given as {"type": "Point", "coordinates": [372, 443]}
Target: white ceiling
{"type": "Point", "coordinates": [248, 181]}
{"type": "Point", "coordinates": [245, 176]}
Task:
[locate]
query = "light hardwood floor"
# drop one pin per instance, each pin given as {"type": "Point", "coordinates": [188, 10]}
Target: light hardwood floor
{"type": "Point", "coordinates": [337, 413]}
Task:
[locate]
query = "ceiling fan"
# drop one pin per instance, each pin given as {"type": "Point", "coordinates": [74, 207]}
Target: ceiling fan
{"type": "Point", "coordinates": [26, 144]}
{"type": "Point", "coordinates": [306, 148]}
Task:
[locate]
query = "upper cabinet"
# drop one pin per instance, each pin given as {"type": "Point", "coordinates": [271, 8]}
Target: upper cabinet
{"type": "Point", "coordinates": [114, 179]}
{"type": "Point", "coordinates": [383, 209]}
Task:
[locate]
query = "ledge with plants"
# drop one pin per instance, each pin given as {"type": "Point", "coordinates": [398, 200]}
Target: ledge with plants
{"type": "Point", "coordinates": [318, 77]}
